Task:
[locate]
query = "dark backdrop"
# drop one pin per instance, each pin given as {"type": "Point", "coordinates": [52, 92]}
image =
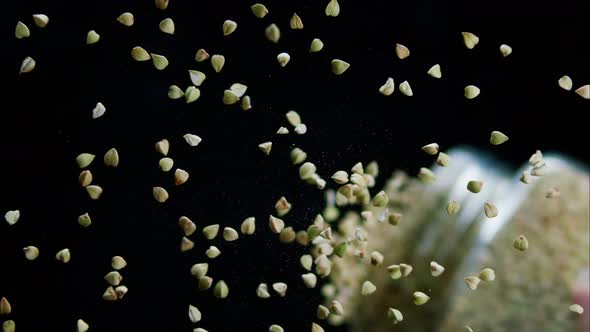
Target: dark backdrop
{"type": "Point", "coordinates": [46, 121]}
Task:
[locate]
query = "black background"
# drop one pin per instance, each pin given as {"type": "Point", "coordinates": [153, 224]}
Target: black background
{"type": "Point", "coordinates": [46, 121]}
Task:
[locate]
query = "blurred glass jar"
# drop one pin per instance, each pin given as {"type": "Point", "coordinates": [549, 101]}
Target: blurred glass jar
{"type": "Point", "coordinates": [533, 289]}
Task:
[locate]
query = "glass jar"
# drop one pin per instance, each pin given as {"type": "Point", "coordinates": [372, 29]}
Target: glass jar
{"type": "Point", "coordinates": [532, 290]}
